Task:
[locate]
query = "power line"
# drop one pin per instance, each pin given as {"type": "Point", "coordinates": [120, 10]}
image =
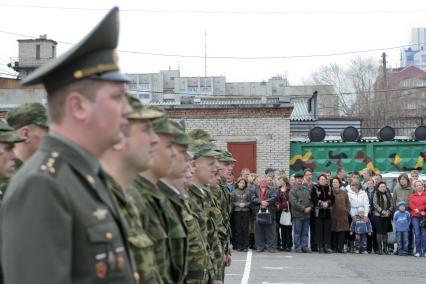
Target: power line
{"type": "Point", "coordinates": [231, 12]}
{"type": "Point", "coordinates": [235, 57]}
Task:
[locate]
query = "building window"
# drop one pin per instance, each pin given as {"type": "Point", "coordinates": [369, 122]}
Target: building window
{"type": "Point", "coordinates": [37, 51]}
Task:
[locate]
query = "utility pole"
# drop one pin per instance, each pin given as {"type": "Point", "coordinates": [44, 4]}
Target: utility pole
{"type": "Point", "coordinates": [205, 54]}
{"type": "Point", "coordinates": [385, 87]}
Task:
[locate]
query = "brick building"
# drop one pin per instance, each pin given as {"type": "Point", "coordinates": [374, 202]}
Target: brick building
{"type": "Point", "coordinates": [257, 134]}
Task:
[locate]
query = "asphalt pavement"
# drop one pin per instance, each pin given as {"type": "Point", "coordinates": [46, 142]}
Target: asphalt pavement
{"type": "Point", "coordinates": [296, 268]}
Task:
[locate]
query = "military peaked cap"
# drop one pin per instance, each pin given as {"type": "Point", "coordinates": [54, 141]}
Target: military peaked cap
{"type": "Point", "coordinates": [93, 57]}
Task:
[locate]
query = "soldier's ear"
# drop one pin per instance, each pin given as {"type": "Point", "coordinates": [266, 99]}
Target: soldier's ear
{"type": "Point", "coordinates": [77, 106]}
{"type": "Point", "coordinates": [24, 131]}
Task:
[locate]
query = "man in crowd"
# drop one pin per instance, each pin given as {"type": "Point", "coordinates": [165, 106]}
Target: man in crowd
{"type": "Point", "coordinates": [307, 181]}
{"type": "Point", "coordinates": [165, 226]}
{"type": "Point", "coordinates": [57, 208]}
{"type": "Point", "coordinates": [123, 162]}
{"type": "Point", "coordinates": [301, 207]}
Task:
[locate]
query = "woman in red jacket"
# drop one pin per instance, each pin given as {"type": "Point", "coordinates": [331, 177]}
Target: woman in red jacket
{"type": "Point", "coordinates": [418, 206]}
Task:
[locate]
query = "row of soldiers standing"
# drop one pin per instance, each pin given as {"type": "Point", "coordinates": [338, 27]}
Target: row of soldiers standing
{"type": "Point", "coordinates": [177, 206]}
{"type": "Point", "coordinates": [109, 191]}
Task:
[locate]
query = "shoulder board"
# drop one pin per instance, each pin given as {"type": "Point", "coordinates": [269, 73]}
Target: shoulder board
{"type": "Point", "coordinates": [51, 164]}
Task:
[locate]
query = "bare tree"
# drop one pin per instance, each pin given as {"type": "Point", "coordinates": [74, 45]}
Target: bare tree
{"type": "Point", "coordinates": [353, 85]}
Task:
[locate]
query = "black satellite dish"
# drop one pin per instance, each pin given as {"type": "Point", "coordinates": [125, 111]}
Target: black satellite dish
{"type": "Point", "coordinates": [419, 133]}
{"type": "Point", "coordinates": [349, 134]}
{"type": "Point", "coordinates": [316, 134]}
{"type": "Point", "coordinates": [386, 133]}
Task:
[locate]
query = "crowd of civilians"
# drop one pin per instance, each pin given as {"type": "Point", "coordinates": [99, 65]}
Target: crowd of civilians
{"type": "Point", "coordinates": [346, 213]}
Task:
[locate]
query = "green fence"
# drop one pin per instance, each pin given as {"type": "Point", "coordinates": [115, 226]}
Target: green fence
{"type": "Point", "coordinates": [380, 157]}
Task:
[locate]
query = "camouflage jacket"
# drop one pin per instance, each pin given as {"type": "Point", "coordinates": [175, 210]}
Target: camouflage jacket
{"type": "Point", "coordinates": [166, 216]}
{"type": "Point", "coordinates": [204, 205]}
{"type": "Point", "coordinates": [140, 243]}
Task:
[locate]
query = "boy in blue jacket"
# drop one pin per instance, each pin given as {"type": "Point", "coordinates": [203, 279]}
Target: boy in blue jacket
{"type": "Point", "coordinates": [402, 220]}
{"type": "Point", "coordinates": [361, 228]}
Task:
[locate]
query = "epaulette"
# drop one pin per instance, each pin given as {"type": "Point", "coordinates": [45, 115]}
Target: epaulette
{"type": "Point", "coordinates": [50, 165]}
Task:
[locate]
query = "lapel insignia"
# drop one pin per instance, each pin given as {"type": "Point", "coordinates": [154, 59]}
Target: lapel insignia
{"type": "Point", "coordinates": [90, 179]}
{"type": "Point", "coordinates": [100, 213]}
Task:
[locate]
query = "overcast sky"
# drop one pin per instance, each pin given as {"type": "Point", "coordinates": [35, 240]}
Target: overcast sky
{"type": "Point", "coordinates": [234, 29]}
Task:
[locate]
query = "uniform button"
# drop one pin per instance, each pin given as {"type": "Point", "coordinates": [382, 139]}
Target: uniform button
{"type": "Point", "coordinates": [136, 276]}
{"type": "Point", "coordinates": [108, 236]}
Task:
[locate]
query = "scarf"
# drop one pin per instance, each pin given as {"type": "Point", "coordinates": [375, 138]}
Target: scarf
{"type": "Point", "coordinates": [263, 191]}
{"type": "Point", "coordinates": [381, 198]}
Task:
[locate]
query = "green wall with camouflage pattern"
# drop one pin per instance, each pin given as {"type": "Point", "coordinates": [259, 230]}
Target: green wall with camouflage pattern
{"type": "Point", "coordinates": [380, 157]}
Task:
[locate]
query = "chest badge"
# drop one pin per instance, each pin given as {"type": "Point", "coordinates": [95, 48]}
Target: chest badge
{"type": "Point", "coordinates": [100, 213]}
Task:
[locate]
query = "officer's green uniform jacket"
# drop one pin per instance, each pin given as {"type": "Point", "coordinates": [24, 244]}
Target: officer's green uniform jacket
{"type": "Point", "coordinates": [60, 223]}
{"type": "Point", "coordinates": [163, 228]}
{"type": "Point", "coordinates": [140, 243]}
{"type": "Point", "coordinates": [203, 205]}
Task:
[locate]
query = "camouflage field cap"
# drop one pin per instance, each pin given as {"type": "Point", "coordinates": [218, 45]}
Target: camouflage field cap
{"type": "Point", "coordinates": [26, 114]}
{"type": "Point", "coordinates": [200, 134]}
{"type": "Point", "coordinates": [180, 137]}
{"type": "Point", "coordinates": [4, 126]}
{"type": "Point", "coordinates": [199, 148]}
{"type": "Point", "coordinates": [163, 125]}
{"type": "Point", "coordinates": [140, 111]}
{"type": "Point", "coordinates": [94, 57]}
{"type": "Point", "coordinates": [10, 137]}
{"type": "Point", "coordinates": [225, 156]}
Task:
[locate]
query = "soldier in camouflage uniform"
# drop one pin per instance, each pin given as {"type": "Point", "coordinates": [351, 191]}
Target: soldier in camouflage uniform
{"type": "Point", "coordinates": [165, 226]}
{"type": "Point", "coordinates": [198, 258]}
{"type": "Point", "coordinates": [203, 202]}
{"type": "Point", "coordinates": [30, 121]}
{"type": "Point", "coordinates": [8, 139]}
{"type": "Point", "coordinates": [222, 197]}
{"type": "Point", "coordinates": [123, 162]}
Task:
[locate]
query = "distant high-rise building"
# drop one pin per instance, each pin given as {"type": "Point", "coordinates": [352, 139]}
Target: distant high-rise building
{"type": "Point", "coordinates": [415, 55]}
{"type": "Point", "coordinates": [32, 54]}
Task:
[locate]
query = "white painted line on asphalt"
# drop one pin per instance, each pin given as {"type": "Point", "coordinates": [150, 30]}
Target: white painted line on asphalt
{"type": "Point", "coordinates": [273, 267]}
{"type": "Point", "coordinates": [230, 274]}
{"type": "Point", "coordinates": [282, 282]}
{"type": "Point", "coordinates": [247, 268]}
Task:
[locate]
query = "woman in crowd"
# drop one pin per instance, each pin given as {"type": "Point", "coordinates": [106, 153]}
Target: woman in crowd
{"type": "Point", "coordinates": [383, 208]}
{"type": "Point", "coordinates": [282, 203]}
{"type": "Point", "coordinates": [263, 200]}
{"type": "Point", "coordinates": [357, 198]}
{"type": "Point", "coordinates": [339, 213]}
{"type": "Point", "coordinates": [241, 200]}
{"type": "Point", "coordinates": [418, 206]}
{"type": "Point", "coordinates": [253, 182]}
{"type": "Point", "coordinates": [322, 198]}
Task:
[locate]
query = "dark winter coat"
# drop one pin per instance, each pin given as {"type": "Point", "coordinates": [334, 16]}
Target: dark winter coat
{"type": "Point", "coordinates": [321, 194]}
{"type": "Point", "coordinates": [340, 212]}
{"type": "Point", "coordinates": [282, 201]}
{"type": "Point", "coordinates": [269, 197]}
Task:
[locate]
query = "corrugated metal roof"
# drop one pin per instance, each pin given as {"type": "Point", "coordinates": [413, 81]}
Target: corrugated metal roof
{"type": "Point", "coordinates": [300, 111]}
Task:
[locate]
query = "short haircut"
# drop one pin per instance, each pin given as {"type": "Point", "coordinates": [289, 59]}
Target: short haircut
{"type": "Point", "coordinates": [339, 170]}
{"type": "Point", "coordinates": [308, 170]}
{"type": "Point", "coordinates": [322, 175]}
{"type": "Point", "coordinates": [56, 99]}
{"type": "Point", "coordinates": [356, 173]}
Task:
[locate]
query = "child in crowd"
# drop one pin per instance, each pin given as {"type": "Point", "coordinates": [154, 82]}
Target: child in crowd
{"type": "Point", "coordinates": [402, 220]}
{"type": "Point", "coordinates": [361, 228]}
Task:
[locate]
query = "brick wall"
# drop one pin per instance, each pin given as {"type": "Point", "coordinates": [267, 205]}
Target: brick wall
{"type": "Point", "coordinates": [268, 127]}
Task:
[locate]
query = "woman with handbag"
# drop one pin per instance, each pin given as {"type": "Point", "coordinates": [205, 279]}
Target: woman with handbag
{"type": "Point", "coordinates": [323, 198]}
{"type": "Point", "coordinates": [418, 215]}
{"type": "Point", "coordinates": [241, 199]}
{"type": "Point", "coordinates": [283, 215]}
{"type": "Point", "coordinates": [263, 201]}
{"type": "Point", "coordinates": [382, 216]}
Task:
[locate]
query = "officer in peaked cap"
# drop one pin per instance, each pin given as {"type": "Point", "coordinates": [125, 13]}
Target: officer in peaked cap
{"type": "Point", "coordinates": [57, 212]}
{"type": "Point", "coordinates": [29, 121]}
